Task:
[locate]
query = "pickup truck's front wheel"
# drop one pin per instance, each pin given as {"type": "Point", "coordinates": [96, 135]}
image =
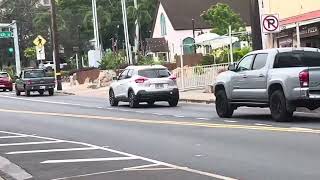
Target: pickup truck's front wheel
{"type": "Point", "coordinates": [278, 107]}
{"type": "Point", "coordinates": [223, 107]}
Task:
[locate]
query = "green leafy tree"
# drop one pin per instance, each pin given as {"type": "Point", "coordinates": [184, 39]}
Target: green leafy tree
{"type": "Point", "coordinates": [30, 53]}
{"type": "Point", "coordinates": [221, 16]}
{"type": "Point", "coordinates": [112, 61]}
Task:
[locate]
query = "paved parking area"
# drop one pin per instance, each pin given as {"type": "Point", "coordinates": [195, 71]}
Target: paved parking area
{"type": "Point", "coordinates": [49, 158]}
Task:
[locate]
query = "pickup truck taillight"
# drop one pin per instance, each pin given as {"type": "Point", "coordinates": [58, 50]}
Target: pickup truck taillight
{"type": "Point", "coordinates": [304, 78]}
{"type": "Point", "coordinates": [141, 80]}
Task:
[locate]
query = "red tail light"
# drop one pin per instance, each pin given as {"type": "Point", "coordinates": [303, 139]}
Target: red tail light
{"type": "Point", "coordinates": [29, 82]}
{"type": "Point", "coordinates": [304, 78]}
{"type": "Point", "coordinates": [141, 80]}
{"type": "Point", "coordinates": [173, 78]}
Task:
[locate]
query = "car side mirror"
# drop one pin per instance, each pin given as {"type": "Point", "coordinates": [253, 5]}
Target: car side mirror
{"type": "Point", "coordinates": [115, 78]}
{"type": "Point", "coordinates": [232, 67]}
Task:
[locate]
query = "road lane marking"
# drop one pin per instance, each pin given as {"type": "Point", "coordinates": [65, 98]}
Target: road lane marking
{"type": "Point", "coordinates": [259, 124]}
{"type": "Point", "coordinates": [205, 119]}
{"type": "Point", "coordinates": [178, 116]}
{"type": "Point", "coordinates": [51, 150]}
{"type": "Point", "coordinates": [143, 166]}
{"type": "Point", "coordinates": [88, 160]}
{"type": "Point", "coordinates": [160, 163]}
{"type": "Point", "coordinates": [177, 123]}
{"type": "Point", "coordinates": [229, 121]}
{"type": "Point", "coordinates": [11, 137]}
{"type": "Point", "coordinates": [299, 128]}
{"type": "Point", "coordinates": [30, 143]}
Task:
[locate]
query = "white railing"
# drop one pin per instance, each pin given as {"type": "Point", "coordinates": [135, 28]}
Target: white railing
{"type": "Point", "coordinates": [198, 77]}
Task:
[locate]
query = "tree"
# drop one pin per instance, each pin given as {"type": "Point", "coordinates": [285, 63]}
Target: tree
{"type": "Point", "coordinates": [221, 16]}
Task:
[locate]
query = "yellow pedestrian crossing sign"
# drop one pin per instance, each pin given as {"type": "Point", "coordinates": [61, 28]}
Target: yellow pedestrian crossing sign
{"type": "Point", "coordinates": [39, 41]}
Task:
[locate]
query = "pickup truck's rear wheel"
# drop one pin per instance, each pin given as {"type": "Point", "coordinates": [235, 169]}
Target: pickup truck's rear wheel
{"type": "Point", "coordinates": [18, 93]}
{"type": "Point", "coordinates": [223, 107]}
{"type": "Point", "coordinates": [27, 92]}
{"type": "Point", "coordinates": [41, 92]}
{"type": "Point", "coordinates": [51, 92]}
{"type": "Point", "coordinates": [278, 107]}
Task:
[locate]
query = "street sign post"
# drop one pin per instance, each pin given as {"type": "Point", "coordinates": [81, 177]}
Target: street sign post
{"type": "Point", "coordinates": [6, 34]}
{"type": "Point", "coordinates": [39, 41]}
{"type": "Point", "coordinates": [270, 23]}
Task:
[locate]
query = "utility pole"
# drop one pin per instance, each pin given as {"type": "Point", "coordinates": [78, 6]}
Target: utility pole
{"type": "Point", "coordinates": [55, 44]}
{"type": "Point", "coordinates": [95, 25]}
{"type": "Point", "coordinates": [126, 33]}
{"type": "Point", "coordinates": [16, 47]}
{"type": "Point", "coordinates": [137, 38]}
{"type": "Point", "coordinates": [255, 25]}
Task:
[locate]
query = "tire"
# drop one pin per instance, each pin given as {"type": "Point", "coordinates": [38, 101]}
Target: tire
{"type": "Point", "coordinates": [10, 89]}
{"type": "Point", "coordinates": [18, 93]}
{"type": "Point", "coordinates": [278, 107]}
{"type": "Point", "coordinates": [151, 103]}
{"type": "Point", "coordinates": [173, 102]}
{"type": "Point", "coordinates": [51, 92]}
{"type": "Point", "coordinates": [27, 92]}
{"type": "Point", "coordinates": [112, 99]}
{"type": "Point", "coordinates": [133, 101]}
{"type": "Point", "coordinates": [223, 107]}
{"type": "Point", "coordinates": [41, 93]}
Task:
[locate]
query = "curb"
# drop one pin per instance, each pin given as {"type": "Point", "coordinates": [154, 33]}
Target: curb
{"type": "Point", "coordinates": [197, 101]}
{"type": "Point", "coordinates": [10, 171]}
{"type": "Point", "coordinates": [65, 93]}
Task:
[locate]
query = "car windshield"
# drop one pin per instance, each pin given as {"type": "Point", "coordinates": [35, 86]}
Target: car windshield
{"type": "Point", "coordinates": [3, 75]}
{"type": "Point", "coordinates": [154, 73]}
{"type": "Point", "coordinates": [34, 74]}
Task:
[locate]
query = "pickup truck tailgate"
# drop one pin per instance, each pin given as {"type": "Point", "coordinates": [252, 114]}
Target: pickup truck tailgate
{"type": "Point", "coordinates": [314, 80]}
{"type": "Point", "coordinates": [42, 81]}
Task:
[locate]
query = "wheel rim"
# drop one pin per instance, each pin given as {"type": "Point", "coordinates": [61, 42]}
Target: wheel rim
{"type": "Point", "coordinates": [111, 98]}
{"type": "Point", "coordinates": [131, 99]}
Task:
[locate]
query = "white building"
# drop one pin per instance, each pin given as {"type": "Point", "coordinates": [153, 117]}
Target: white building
{"type": "Point", "coordinates": [175, 18]}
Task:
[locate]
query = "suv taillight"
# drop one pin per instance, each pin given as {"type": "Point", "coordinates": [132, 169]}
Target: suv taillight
{"type": "Point", "coordinates": [173, 78]}
{"type": "Point", "coordinates": [141, 80]}
{"type": "Point", "coordinates": [304, 78]}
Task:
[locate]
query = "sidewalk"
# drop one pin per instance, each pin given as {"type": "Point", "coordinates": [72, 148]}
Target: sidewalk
{"type": "Point", "coordinates": [193, 96]}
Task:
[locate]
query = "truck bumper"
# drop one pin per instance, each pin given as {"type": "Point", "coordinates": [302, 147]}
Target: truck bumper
{"type": "Point", "coordinates": [40, 87]}
{"type": "Point", "coordinates": [158, 95]}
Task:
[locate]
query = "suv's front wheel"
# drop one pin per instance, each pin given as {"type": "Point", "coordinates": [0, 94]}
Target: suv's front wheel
{"type": "Point", "coordinates": [223, 107]}
{"type": "Point", "coordinates": [278, 107]}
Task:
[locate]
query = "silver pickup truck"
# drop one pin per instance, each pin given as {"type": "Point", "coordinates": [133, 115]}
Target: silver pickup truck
{"type": "Point", "coordinates": [281, 79]}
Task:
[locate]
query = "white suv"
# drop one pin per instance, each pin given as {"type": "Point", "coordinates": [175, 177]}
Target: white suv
{"type": "Point", "coordinates": [144, 84]}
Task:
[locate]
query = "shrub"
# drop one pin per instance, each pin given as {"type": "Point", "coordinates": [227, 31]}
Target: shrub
{"type": "Point", "coordinates": [112, 61]}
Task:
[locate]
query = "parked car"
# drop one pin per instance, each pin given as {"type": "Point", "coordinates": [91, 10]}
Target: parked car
{"type": "Point", "coordinates": [31, 80]}
{"type": "Point", "coordinates": [144, 84]}
{"type": "Point", "coordinates": [281, 79]}
{"type": "Point", "coordinates": [5, 81]}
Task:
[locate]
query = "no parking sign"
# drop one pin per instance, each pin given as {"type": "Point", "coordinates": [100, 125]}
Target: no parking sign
{"type": "Point", "coordinates": [270, 23]}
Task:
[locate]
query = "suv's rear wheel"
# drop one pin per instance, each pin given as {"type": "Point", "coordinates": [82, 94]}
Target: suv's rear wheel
{"type": "Point", "coordinates": [173, 102]}
{"type": "Point", "coordinates": [27, 92]}
{"type": "Point", "coordinates": [112, 99]}
{"type": "Point", "coordinates": [278, 107]}
{"type": "Point", "coordinates": [133, 101]}
{"type": "Point", "coordinates": [223, 107]}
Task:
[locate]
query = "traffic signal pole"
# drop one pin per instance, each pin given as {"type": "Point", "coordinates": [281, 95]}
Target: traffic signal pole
{"type": "Point", "coordinates": [54, 40]}
{"type": "Point", "coordinates": [14, 27]}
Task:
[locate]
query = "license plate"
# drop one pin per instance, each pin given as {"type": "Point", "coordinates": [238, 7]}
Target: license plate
{"type": "Point", "coordinates": [42, 87]}
{"type": "Point", "coordinates": [159, 86]}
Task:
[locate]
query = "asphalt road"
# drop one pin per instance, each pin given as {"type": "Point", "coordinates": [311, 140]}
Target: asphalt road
{"type": "Point", "coordinates": [70, 137]}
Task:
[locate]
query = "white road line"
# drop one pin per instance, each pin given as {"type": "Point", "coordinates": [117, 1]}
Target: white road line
{"type": "Point", "coordinates": [152, 169]}
{"type": "Point", "coordinates": [228, 121]}
{"type": "Point", "coordinates": [142, 167]}
{"type": "Point", "coordinates": [131, 155]}
{"type": "Point", "coordinates": [259, 124]}
{"type": "Point", "coordinates": [158, 114]}
{"type": "Point", "coordinates": [11, 137]}
{"type": "Point", "coordinates": [88, 160]}
{"type": "Point", "coordinates": [100, 107]}
{"type": "Point", "coordinates": [179, 116]}
{"type": "Point", "coordinates": [52, 150]}
{"type": "Point", "coordinates": [86, 175]}
{"type": "Point", "coordinates": [304, 129]}
{"type": "Point", "coordinates": [30, 143]}
{"type": "Point", "coordinates": [206, 119]}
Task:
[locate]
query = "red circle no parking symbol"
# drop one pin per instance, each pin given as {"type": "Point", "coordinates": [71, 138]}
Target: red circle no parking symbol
{"type": "Point", "coordinates": [270, 23]}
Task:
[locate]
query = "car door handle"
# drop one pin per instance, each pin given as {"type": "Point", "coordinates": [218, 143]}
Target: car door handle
{"type": "Point", "coordinates": [244, 76]}
{"type": "Point", "coordinates": [261, 75]}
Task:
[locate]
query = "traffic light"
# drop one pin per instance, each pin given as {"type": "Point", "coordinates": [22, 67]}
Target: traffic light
{"type": "Point", "coordinates": [10, 49]}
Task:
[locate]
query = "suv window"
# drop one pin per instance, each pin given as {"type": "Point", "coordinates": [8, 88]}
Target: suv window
{"type": "Point", "coordinates": [245, 64]}
{"type": "Point", "coordinates": [260, 61]}
{"type": "Point", "coordinates": [123, 75]}
{"type": "Point", "coordinates": [3, 75]}
{"type": "Point", "coordinates": [154, 73]}
{"type": "Point", "coordinates": [297, 59]}
{"type": "Point", "coordinates": [130, 73]}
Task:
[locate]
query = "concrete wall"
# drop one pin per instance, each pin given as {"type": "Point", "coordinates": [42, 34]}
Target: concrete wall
{"type": "Point", "coordinates": [289, 8]}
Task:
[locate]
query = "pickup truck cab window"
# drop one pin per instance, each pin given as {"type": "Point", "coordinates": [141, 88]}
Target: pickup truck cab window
{"type": "Point", "coordinates": [245, 64]}
{"type": "Point", "coordinates": [260, 61]}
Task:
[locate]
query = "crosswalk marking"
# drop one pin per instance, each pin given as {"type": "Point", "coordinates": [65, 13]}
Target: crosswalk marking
{"type": "Point", "coordinates": [30, 143]}
{"type": "Point", "coordinates": [88, 160]}
{"type": "Point", "coordinates": [11, 137]}
{"type": "Point", "coordinates": [52, 150]}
